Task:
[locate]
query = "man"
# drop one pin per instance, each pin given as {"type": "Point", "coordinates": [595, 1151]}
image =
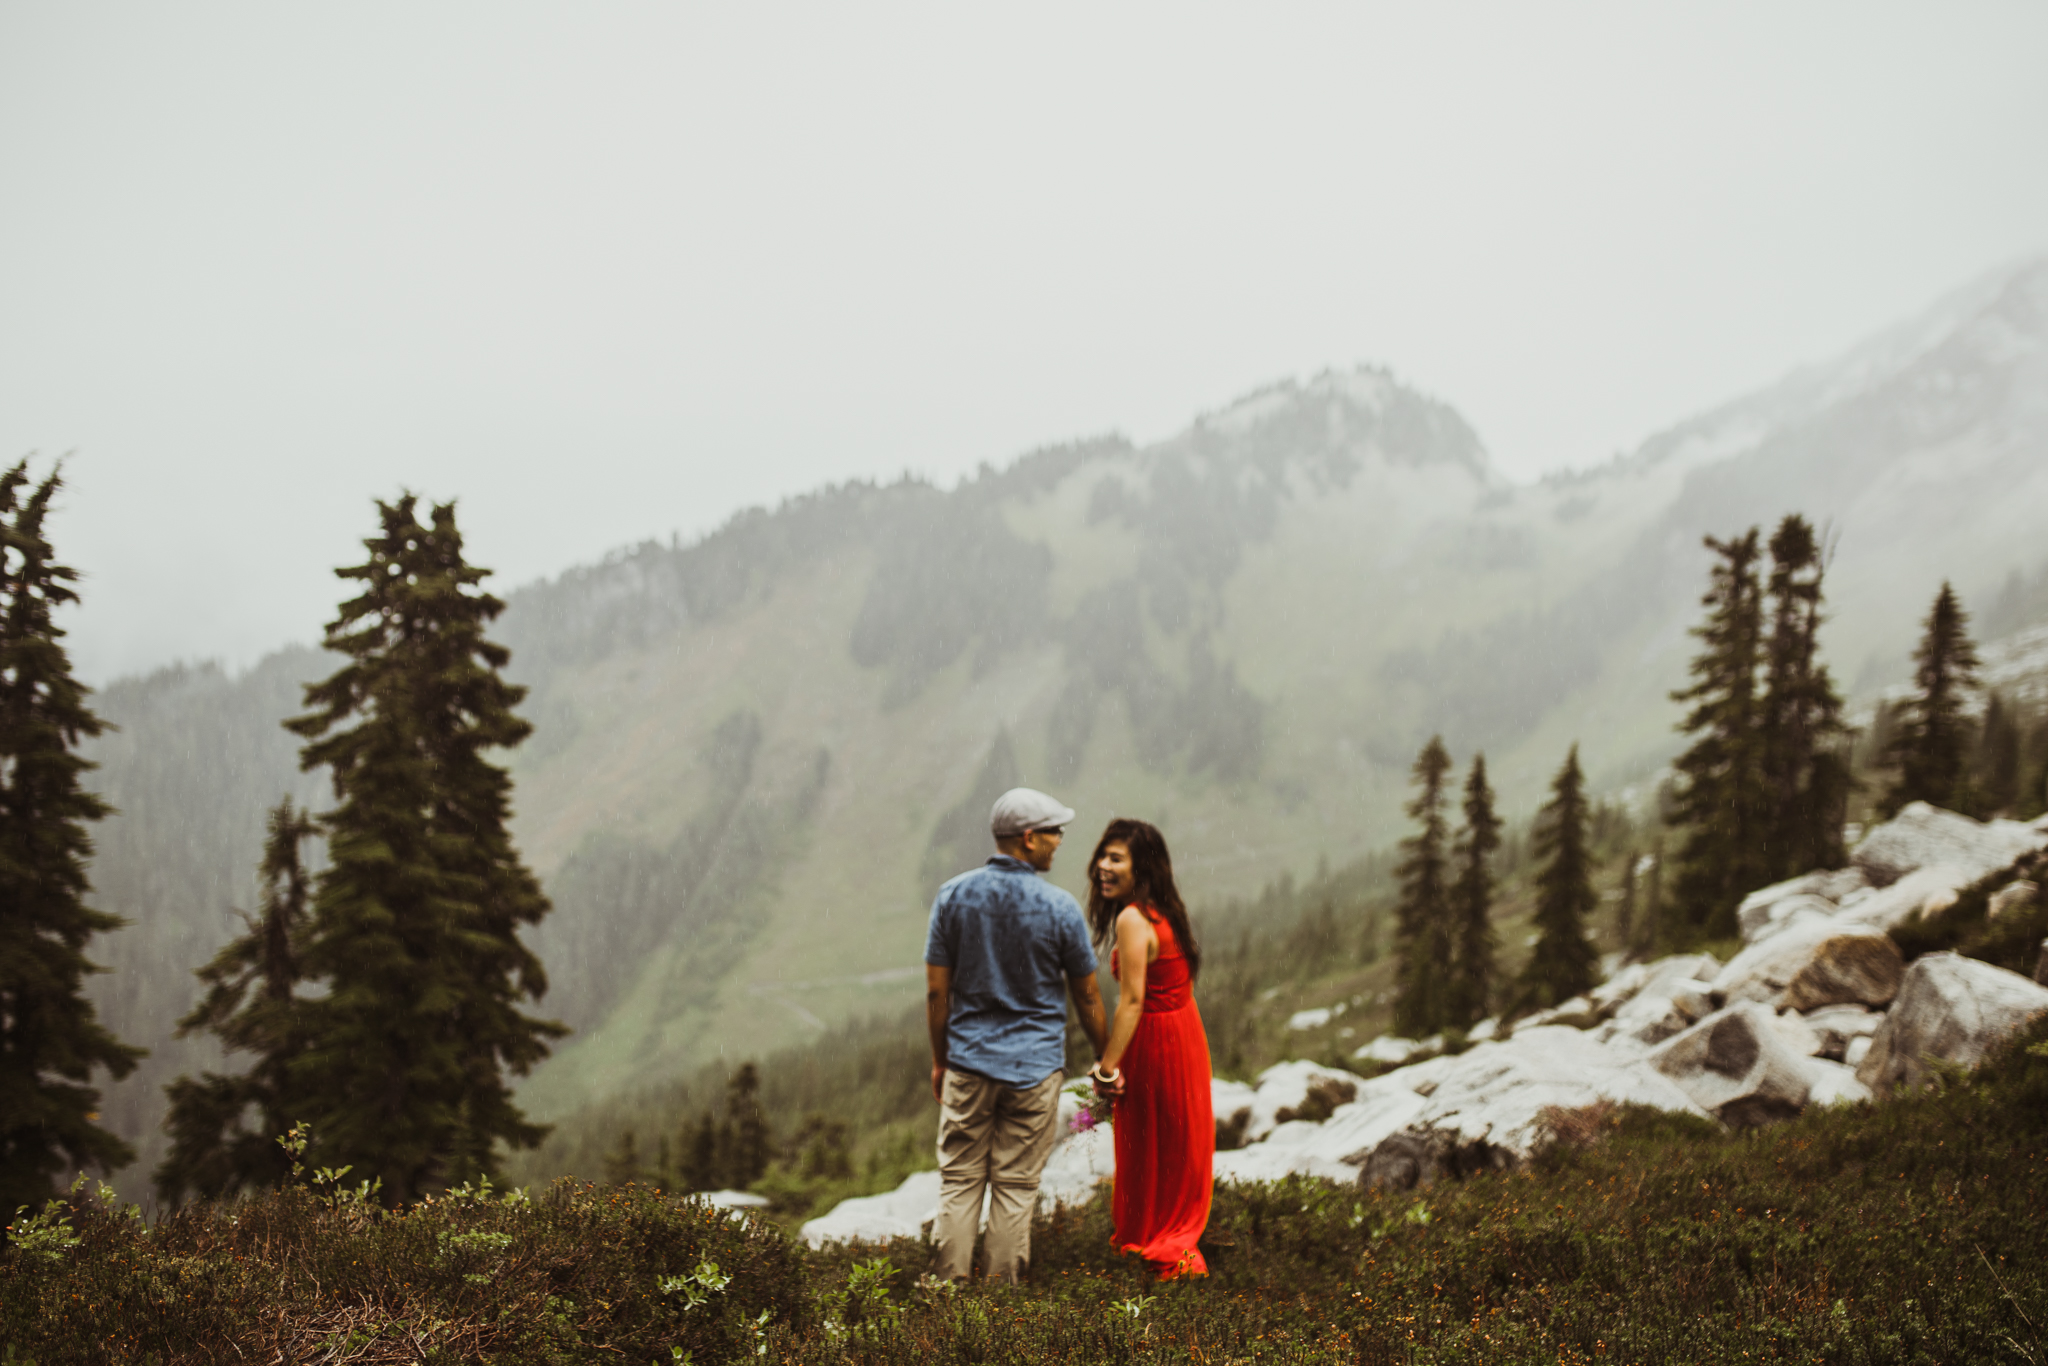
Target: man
{"type": "Point", "coordinates": [1004, 952]}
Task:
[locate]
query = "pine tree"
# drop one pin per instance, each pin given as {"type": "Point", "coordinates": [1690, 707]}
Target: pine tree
{"type": "Point", "coordinates": [752, 1146]}
{"type": "Point", "coordinates": [1803, 769]}
{"type": "Point", "coordinates": [1998, 759]}
{"type": "Point", "coordinates": [1722, 801]}
{"type": "Point", "coordinates": [1625, 913]}
{"type": "Point", "coordinates": [1422, 917]}
{"type": "Point", "coordinates": [1564, 963]}
{"type": "Point", "coordinates": [1651, 933]}
{"type": "Point", "coordinates": [416, 918]}
{"type": "Point", "coordinates": [51, 1040]}
{"type": "Point", "coordinates": [622, 1164]}
{"type": "Point", "coordinates": [252, 1006]}
{"type": "Point", "coordinates": [1471, 977]}
{"type": "Point", "coordinates": [1930, 738]}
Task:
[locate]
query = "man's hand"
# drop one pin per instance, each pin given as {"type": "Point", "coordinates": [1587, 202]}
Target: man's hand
{"type": "Point", "coordinates": [939, 1082]}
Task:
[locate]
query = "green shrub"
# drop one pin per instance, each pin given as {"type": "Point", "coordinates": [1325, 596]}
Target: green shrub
{"type": "Point", "coordinates": [583, 1273]}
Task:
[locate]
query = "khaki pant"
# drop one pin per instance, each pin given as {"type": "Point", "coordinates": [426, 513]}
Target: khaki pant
{"type": "Point", "coordinates": [996, 1137]}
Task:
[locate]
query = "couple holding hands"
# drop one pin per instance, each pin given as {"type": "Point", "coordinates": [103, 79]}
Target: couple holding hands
{"type": "Point", "coordinates": [1004, 953]}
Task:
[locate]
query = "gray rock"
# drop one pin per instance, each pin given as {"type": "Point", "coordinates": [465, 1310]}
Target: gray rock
{"type": "Point", "coordinates": [1847, 967]}
{"type": "Point", "coordinates": [2013, 896]}
{"type": "Point", "coordinates": [1922, 835]}
{"type": "Point", "coordinates": [1838, 1025]}
{"type": "Point", "coordinates": [1831, 1083]}
{"type": "Point", "coordinates": [1797, 1035]}
{"type": "Point", "coordinates": [1768, 908]}
{"type": "Point", "coordinates": [1807, 966]}
{"type": "Point", "coordinates": [901, 1213]}
{"type": "Point", "coordinates": [1641, 977]}
{"type": "Point", "coordinates": [1284, 1086]}
{"type": "Point", "coordinates": [1390, 1049]}
{"type": "Point", "coordinates": [1489, 1103]}
{"type": "Point", "coordinates": [1402, 1162]}
{"type": "Point", "coordinates": [1654, 1015]}
{"type": "Point", "coordinates": [1949, 1008]}
{"type": "Point", "coordinates": [1857, 1050]}
{"type": "Point", "coordinates": [1736, 1065]}
{"type": "Point", "coordinates": [1919, 893]}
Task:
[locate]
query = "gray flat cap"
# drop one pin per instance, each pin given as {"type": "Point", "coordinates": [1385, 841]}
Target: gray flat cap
{"type": "Point", "coordinates": [1024, 808]}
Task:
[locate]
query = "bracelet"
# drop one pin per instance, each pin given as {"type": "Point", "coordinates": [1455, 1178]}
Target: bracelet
{"type": "Point", "coordinates": [1096, 1073]}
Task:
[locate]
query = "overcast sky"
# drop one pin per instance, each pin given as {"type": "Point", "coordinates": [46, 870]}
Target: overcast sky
{"type": "Point", "coordinates": [607, 272]}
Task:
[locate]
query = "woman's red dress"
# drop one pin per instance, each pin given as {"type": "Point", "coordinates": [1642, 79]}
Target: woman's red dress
{"type": "Point", "coordinates": [1165, 1129]}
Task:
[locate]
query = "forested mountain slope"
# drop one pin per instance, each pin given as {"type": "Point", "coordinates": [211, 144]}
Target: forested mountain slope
{"type": "Point", "coordinates": [756, 754]}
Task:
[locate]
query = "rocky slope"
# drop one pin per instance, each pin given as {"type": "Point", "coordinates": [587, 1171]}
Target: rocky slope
{"type": "Point", "coordinates": [1819, 1008]}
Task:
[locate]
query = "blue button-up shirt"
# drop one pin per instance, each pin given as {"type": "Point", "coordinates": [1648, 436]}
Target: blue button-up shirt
{"type": "Point", "coordinates": [1012, 941]}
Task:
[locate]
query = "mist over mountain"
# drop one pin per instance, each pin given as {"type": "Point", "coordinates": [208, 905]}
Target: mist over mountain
{"type": "Point", "coordinates": [756, 754]}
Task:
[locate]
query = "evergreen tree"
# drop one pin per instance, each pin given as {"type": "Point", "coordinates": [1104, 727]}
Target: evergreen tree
{"type": "Point", "coordinates": [622, 1164]}
{"type": "Point", "coordinates": [1564, 963]}
{"type": "Point", "coordinates": [1998, 759]}
{"type": "Point", "coordinates": [1422, 916]}
{"type": "Point", "coordinates": [416, 918]}
{"type": "Point", "coordinates": [251, 1006]}
{"type": "Point", "coordinates": [1625, 913]}
{"type": "Point", "coordinates": [1930, 739]}
{"type": "Point", "coordinates": [1722, 798]}
{"type": "Point", "coordinates": [698, 1169]}
{"type": "Point", "coordinates": [1651, 933]}
{"type": "Point", "coordinates": [51, 1040]}
{"type": "Point", "coordinates": [1471, 976]}
{"type": "Point", "coordinates": [1805, 774]}
{"type": "Point", "coordinates": [752, 1148]}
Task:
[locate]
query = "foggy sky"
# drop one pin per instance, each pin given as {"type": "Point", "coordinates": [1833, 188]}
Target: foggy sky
{"type": "Point", "coordinates": [612, 272]}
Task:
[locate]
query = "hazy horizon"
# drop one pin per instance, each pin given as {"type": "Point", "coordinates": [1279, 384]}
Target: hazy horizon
{"type": "Point", "coordinates": [611, 277]}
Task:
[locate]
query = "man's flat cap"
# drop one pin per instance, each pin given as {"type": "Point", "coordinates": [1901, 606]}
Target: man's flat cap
{"type": "Point", "coordinates": [1024, 808]}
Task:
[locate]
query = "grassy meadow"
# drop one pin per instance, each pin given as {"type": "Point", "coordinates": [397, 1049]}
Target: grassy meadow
{"type": "Point", "coordinates": [1903, 1232]}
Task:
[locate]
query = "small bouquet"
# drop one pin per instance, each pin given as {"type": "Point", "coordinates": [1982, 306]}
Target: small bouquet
{"type": "Point", "coordinates": [1092, 1109]}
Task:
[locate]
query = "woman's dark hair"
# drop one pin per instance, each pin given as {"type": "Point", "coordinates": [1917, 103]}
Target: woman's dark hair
{"type": "Point", "coordinates": [1151, 885]}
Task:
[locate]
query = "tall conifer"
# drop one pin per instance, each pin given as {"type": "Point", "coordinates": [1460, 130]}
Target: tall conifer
{"type": "Point", "coordinates": [1999, 747]}
{"type": "Point", "coordinates": [1930, 736]}
{"type": "Point", "coordinates": [1625, 913]}
{"type": "Point", "coordinates": [1722, 799]}
{"type": "Point", "coordinates": [1650, 934]}
{"type": "Point", "coordinates": [51, 1040]}
{"type": "Point", "coordinates": [1805, 775]}
{"type": "Point", "coordinates": [416, 918]}
{"type": "Point", "coordinates": [1422, 917]}
{"type": "Point", "coordinates": [252, 1007]}
{"type": "Point", "coordinates": [1564, 962]}
{"type": "Point", "coordinates": [1471, 979]}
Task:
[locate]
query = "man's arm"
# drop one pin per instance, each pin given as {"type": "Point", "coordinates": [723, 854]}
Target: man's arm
{"type": "Point", "coordinates": [938, 1004]}
{"type": "Point", "coordinates": [1088, 1005]}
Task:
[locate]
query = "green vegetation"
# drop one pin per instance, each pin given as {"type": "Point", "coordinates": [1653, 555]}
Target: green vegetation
{"type": "Point", "coordinates": [1472, 952]}
{"type": "Point", "coordinates": [1565, 962]}
{"type": "Point", "coordinates": [250, 1006]}
{"type": "Point", "coordinates": [51, 1039]}
{"type": "Point", "coordinates": [1930, 740]}
{"type": "Point", "coordinates": [1423, 915]}
{"type": "Point", "coordinates": [1763, 787]}
{"type": "Point", "coordinates": [1898, 1233]}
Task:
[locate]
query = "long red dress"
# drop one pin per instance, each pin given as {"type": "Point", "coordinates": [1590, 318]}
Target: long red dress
{"type": "Point", "coordinates": [1165, 1129]}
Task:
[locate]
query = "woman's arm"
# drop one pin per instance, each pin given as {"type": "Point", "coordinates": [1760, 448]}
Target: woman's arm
{"type": "Point", "coordinates": [1136, 942]}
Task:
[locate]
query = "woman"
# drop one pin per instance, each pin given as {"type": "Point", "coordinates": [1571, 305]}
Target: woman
{"type": "Point", "coordinates": [1157, 1062]}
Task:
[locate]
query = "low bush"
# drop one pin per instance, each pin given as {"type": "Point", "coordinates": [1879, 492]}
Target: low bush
{"type": "Point", "coordinates": [584, 1273]}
